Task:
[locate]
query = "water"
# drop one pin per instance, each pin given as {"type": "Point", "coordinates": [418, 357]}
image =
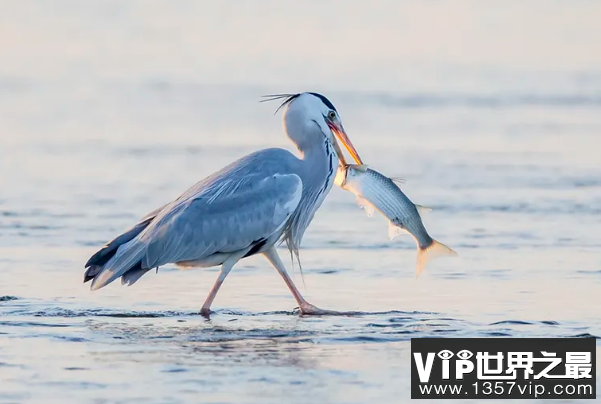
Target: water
{"type": "Point", "coordinates": [111, 109]}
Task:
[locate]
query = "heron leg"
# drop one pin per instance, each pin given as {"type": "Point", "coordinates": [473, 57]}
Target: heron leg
{"type": "Point", "coordinates": [304, 306]}
{"type": "Point", "coordinates": [226, 267]}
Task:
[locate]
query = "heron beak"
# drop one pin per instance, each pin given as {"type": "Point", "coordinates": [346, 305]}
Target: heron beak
{"type": "Point", "coordinates": [341, 135]}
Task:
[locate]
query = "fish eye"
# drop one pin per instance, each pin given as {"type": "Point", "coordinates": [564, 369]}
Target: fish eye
{"type": "Point", "coordinates": [445, 354]}
{"type": "Point", "coordinates": [464, 354]}
{"type": "Point", "coordinates": [332, 115]}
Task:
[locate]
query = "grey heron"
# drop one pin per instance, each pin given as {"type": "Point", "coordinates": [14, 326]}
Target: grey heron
{"type": "Point", "coordinates": [249, 207]}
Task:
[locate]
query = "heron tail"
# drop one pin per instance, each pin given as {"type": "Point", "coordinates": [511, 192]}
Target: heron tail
{"type": "Point", "coordinates": [425, 254]}
{"type": "Point", "coordinates": [91, 272]}
{"type": "Point", "coordinates": [127, 258]}
{"type": "Point", "coordinates": [130, 277]}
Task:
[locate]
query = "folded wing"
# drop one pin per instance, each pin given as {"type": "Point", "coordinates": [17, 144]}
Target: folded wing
{"type": "Point", "coordinates": [229, 214]}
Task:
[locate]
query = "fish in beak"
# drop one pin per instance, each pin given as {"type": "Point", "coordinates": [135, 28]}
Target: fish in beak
{"type": "Point", "coordinates": [342, 137]}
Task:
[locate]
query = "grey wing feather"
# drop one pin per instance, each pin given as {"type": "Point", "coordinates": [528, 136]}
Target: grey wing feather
{"type": "Point", "coordinates": [237, 214]}
{"type": "Point", "coordinates": [102, 256]}
{"type": "Point", "coordinates": [223, 213]}
{"type": "Point", "coordinates": [132, 276]}
{"type": "Point", "coordinates": [153, 214]}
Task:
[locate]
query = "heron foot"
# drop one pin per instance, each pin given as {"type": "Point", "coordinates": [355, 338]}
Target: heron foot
{"type": "Point", "coordinates": [310, 310]}
{"type": "Point", "coordinates": [205, 312]}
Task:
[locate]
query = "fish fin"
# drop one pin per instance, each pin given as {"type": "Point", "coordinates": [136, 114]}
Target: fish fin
{"type": "Point", "coordinates": [434, 250]}
{"type": "Point", "coordinates": [397, 180]}
{"type": "Point", "coordinates": [365, 204]}
{"type": "Point", "coordinates": [361, 167]}
{"type": "Point", "coordinates": [423, 209]}
{"type": "Point", "coordinates": [394, 230]}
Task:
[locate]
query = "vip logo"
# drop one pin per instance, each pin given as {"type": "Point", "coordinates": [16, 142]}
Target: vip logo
{"type": "Point", "coordinates": [462, 365]}
{"type": "Point", "coordinates": [504, 367]}
{"type": "Point", "coordinates": [490, 366]}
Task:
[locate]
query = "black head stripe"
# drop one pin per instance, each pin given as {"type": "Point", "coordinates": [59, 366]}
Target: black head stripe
{"type": "Point", "coordinates": [325, 101]}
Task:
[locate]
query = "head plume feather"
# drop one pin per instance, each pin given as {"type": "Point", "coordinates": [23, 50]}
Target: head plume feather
{"type": "Point", "coordinates": [287, 99]}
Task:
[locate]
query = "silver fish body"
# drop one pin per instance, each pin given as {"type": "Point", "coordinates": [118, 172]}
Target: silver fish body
{"type": "Point", "coordinates": [376, 191]}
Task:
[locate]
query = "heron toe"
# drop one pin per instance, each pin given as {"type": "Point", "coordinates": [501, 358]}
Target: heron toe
{"type": "Point", "coordinates": [309, 309]}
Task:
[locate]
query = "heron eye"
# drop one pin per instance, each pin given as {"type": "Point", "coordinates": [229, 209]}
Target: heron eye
{"type": "Point", "coordinates": [332, 115]}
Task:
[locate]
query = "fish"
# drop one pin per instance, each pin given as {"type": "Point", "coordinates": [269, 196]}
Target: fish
{"type": "Point", "coordinates": [375, 191]}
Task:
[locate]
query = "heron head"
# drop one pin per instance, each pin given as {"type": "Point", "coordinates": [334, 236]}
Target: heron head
{"type": "Point", "coordinates": [309, 117]}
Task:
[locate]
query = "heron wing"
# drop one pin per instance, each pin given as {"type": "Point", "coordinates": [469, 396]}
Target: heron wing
{"type": "Point", "coordinates": [237, 214]}
{"type": "Point", "coordinates": [233, 217]}
{"type": "Point", "coordinates": [239, 206]}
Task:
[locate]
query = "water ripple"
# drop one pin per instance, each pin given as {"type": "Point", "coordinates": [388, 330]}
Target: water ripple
{"type": "Point", "coordinates": [511, 322]}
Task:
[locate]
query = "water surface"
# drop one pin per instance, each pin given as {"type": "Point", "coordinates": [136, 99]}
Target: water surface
{"type": "Point", "coordinates": [111, 109]}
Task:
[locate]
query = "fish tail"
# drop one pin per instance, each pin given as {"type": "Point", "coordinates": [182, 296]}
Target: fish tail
{"type": "Point", "coordinates": [424, 255]}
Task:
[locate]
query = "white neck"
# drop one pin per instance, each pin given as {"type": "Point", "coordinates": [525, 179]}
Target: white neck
{"type": "Point", "coordinates": [318, 167]}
